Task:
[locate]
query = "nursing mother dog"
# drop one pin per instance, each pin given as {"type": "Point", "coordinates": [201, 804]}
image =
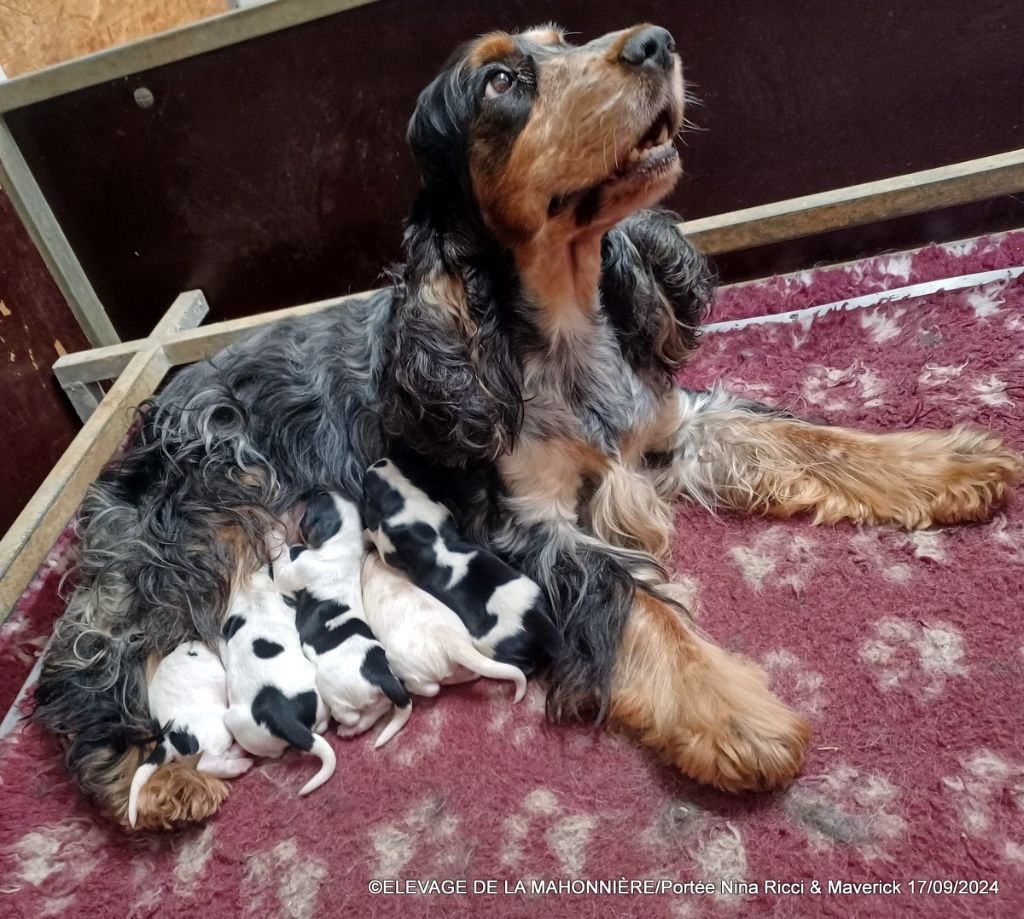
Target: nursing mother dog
{"type": "Point", "coordinates": [525, 359]}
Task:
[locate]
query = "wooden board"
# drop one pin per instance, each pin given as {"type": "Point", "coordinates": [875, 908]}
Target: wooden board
{"type": "Point", "coordinates": [36, 529]}
{"type": "Point", "coordinates": [39, 33]}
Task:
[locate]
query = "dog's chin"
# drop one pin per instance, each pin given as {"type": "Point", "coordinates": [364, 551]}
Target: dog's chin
{"type": "Point", "coordinates": [642, 182]}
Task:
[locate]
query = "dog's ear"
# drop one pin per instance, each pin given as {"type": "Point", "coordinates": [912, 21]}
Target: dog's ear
{"type": "Point", "coordinates": [451, 391]}
{"type": "Point", "coordinates": [656, 288]}
{"type": "Point", "coordinates": [321, 521]}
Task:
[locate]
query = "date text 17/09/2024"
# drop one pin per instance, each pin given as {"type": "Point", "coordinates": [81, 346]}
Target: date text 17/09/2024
{"type": "Point", "coordinates": [624, 886]}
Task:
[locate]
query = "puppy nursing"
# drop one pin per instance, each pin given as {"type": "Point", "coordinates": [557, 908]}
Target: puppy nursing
{"type": "Point", "coordinates": [188, 698]}
{"type": "Point", "coordinates": [427, 643]}
{"type": "Point", "coordinates": [271, 684]}
{"type": "Point", "coordinates": [505, 612]}
{"type": "Point", "coordinates": [356, 637]}
{"type": "Point", "coordinates": [352, 671]}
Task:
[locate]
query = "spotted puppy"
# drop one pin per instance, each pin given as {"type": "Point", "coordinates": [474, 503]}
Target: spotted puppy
{"type": "Point", "coordinates": [428, 645]}
{"type": "Point", "coordinates": [352, 671]}
{"type": "Point", "coordinates": [188, 698]}
{"type": "Point", "coordinates": [271, 686]}
{"type": "Point", "coordinates": [505, 612]}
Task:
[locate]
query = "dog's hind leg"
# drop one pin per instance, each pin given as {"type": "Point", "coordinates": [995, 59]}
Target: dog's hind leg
{"type": "Point", "coordinates": [723, 451]}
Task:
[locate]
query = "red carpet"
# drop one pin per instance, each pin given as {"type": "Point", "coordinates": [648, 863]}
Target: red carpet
{"type": "Point", "coordinates": [905, 649]}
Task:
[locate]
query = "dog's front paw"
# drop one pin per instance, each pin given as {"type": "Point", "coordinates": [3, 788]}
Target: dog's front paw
{"type": "Point", "coordinates": [746, 738]}
{"type": "Point", "coordinates": [709, 712]}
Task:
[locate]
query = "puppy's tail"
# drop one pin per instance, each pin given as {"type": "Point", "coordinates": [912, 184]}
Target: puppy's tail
{"type": "Point", "coordinates": [142, 775]}
{"type": "Point", "coordinates": [322, 749]}
{"type": "Point", "coordinates": [472, 659]}
{"type": "Point", "coordinates": [397, 722]}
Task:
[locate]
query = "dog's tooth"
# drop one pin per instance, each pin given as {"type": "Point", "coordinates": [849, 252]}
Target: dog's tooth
{"type": "Point", "coordinates": [634, 154]}
{"type": "Point", "coordinates": [663, 136]}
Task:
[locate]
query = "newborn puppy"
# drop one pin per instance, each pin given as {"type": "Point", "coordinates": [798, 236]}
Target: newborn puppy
{"type": "Point", "coordinates": [352, 672]}
{"type": "Point", "coordinates": [188, 697]}
{"type": "Point", "coordinates": [427, 643]}
{"type": "Point", "coordinates": [505, 612]}
{"type": "Point", "coordinates": [271, 685]}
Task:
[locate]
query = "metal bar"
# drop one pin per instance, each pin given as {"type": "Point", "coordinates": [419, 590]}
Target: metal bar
{"type": "Point", "coordinates": [186, 312]}
{"type": "Point", "coordinates": [13, 717]}
{"type": "Point", "coordinates": [85, 397]}
{"type": "Point", "coordinates": [85, 391]}
{"type": "Point", "coordinates": [36, 529]}
{"type": "Point", "coordinates": [893, 295]}
{"type": "Point", "coordinates": [183, 347]}
{"type": "Point", "coordinates": [899, 196]}
{"type": "Point", "coordinates": [166, 47]}
{"type": "Point", "coordinates": [34, 211]}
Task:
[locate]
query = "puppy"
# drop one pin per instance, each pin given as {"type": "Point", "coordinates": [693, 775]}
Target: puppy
{"type": "Point", "coordinates": [271, 686]}
{"type": "Point", "coordinates": [188, 697]}
{"type": "Point", "coordinates": [352, 672]}
{"type": "Point", "coordinates": [427, 643]}
{"type": "Point", "coordinates": [505, 612]}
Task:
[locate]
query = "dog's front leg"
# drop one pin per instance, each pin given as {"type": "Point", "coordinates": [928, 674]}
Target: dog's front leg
{"type": "Point", "coordinates": [720, 450]}
{"type": "Point", "coordinates": [629, 653]}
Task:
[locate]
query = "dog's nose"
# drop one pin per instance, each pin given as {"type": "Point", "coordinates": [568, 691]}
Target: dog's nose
{"type": "Point", "coordinates": [651, 46]}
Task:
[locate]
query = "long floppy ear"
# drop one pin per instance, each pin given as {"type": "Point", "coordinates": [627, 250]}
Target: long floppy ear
{"type": "Point", "coordinates": [451, 389]}
{"type": "Point", "coordinates": [656, 288]}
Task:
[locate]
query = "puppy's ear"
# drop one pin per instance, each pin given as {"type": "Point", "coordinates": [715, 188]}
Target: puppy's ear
{"type": "Point", "coordinates": [656, 288]}
{"type": "Point", "coordinates": [321, 521]}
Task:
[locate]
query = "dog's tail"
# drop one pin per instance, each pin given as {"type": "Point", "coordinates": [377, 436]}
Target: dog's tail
{"type": "Point", "coordinates": [325, 752]}
{"type": "Point", "coordinates": [401, 715]}
{"type": "Point", "coordinates": [142, 775]}
{"type": "Point", "coordinates": [472, 659]}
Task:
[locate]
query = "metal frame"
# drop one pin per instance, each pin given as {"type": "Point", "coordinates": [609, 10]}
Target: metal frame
{"type": "Point", "coordinates": [189, 41]}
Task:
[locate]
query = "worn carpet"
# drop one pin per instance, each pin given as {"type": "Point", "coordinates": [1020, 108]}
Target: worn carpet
{"type": "Point", "coordinates": [905, 650]}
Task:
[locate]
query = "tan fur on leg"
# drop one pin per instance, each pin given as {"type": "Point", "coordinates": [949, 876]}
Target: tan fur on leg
{"type": "Point", "coordinates": [708, 711]}
{"type": "Point", "coordinates": [916, 479]}
{"type": "Point", "coordinates": [627, 511]}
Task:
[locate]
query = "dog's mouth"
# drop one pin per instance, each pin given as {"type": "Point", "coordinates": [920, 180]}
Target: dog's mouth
{"type": "Point", "coordinates": [653, 153]}
{"type": "Point", "coordinates": [650, 159]}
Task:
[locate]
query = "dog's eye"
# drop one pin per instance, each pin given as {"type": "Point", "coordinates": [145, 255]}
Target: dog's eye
{"type": "Point", "coordinates": [499, 84]}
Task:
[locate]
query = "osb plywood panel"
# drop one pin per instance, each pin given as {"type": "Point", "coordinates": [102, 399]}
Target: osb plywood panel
{"type": "Point", "coordinates": [38, 33]}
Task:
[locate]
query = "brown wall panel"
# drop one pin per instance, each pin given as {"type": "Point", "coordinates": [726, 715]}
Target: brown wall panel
{"type": "Point", "coordinates": [276, 172]}
{"type": "Point", "coordinates": [36, 420]}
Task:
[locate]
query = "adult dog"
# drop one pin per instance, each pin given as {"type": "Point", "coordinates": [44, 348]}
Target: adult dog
{"type": "Point", "coordinates": [530, 343]}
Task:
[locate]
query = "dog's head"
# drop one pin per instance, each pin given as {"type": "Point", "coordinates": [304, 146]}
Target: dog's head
{"type": "Point", "coordinates": [532, 150]}
{"type": "Point", "coordinates": [552, 138]}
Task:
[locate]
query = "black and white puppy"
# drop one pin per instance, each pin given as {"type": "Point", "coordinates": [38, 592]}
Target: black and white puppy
{"type": "Point", "coordinates": [352, 671]}
{"type": "Point", "coordinates": [188, 697]}
{"type": "Point", "coordinates": [272, 691]}
{"type": "Point", "coordinates": [505, 612]}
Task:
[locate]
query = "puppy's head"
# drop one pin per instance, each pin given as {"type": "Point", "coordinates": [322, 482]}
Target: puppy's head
{"type": "Point", "coordinates": [551, 138]}
{"type": "Point", "coordinates": [327, 517]}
